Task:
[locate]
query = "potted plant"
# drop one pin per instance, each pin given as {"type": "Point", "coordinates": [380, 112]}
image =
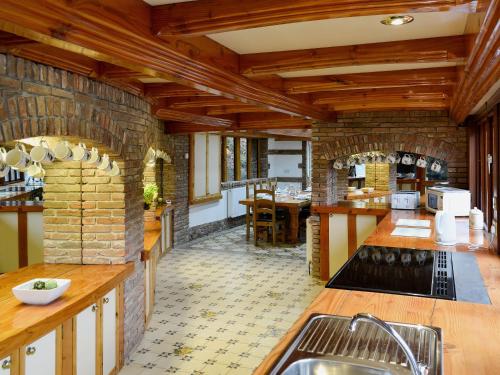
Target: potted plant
{"type": "Point", "coordinates": [150, 194]}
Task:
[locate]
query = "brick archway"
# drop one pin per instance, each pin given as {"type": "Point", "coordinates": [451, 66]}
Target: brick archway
{"type": "Point", "coordinates": [33, 115]}
{"type": "Point", "coordinates": [419, 144]}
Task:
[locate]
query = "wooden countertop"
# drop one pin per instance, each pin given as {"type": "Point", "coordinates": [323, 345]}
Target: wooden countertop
{"type": "Point", "coordinates": [152, 234]}
{"type": "Point", "coordinates": [471, 338]}
{"type": "Point", "coordinates": [21, 324]}
{"type": "Point", "coordinates": [23, 206]}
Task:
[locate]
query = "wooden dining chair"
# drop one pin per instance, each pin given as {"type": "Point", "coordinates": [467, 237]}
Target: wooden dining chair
{"type": "Point", "coordinates": [265, 216]}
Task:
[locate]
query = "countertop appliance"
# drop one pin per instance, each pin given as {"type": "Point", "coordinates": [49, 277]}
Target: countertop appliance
{"type": "Point", "coordinates": [444, 198]}
{"type": "Point", "coordinates": [423, 273]}
{"type": "Point", "coordinates": [446, 228]}
{"type": "Point", "coordinates": [405, 200]}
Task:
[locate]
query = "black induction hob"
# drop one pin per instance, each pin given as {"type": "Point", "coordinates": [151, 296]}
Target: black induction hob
{"type": "Point", "coordinates": [423, 273]}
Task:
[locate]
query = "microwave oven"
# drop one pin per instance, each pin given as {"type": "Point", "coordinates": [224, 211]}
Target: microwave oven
{"type": "Point", "coordinates": [445, 198]}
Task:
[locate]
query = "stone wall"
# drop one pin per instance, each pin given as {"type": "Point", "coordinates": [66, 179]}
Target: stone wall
{"type": "Point", "coordinates": [90, 217]}
{"type": "Point", "coordinates": [428, 133]}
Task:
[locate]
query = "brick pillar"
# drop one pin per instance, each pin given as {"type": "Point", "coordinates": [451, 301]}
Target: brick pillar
{"type": "Point", "coordinates": [263, 161]}
{"type": "Point", "coordinates": [62, 214]}
{"type": "Point", "coordinates": [181, 202]}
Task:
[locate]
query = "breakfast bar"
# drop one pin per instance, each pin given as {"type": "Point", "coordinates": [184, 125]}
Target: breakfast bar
{"type": "Point", "coordinates": [470, 331]}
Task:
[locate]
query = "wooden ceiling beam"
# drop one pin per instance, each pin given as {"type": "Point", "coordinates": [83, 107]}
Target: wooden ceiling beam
{"type": "Point", "coordinates": [391, 105]}
{"type": "Point", "coordinates": [441, 49]}
{"type": "Point", "coordinates": [381, 95]}
{"type": "Point", "coordinates": [186, 128]}
{"type": "Point", "coordinates": [226, 110]}
{"type": "Point", "coordinates": [360, 81]}
{"type": "Point", "coordinates": [203, 102]}
{"type": "Point", "coordinates": [172, 90]}
{"type": "Point", "coordinates": [482, 69]}
{"type": "Point", "coordinates": [215, 16]}
{"type": "Point", "coordinates": [88, 28]}
{"type": "Point", "coordinates": [189, 117]}
{"type": "Point", "coordinates": [253, 121]}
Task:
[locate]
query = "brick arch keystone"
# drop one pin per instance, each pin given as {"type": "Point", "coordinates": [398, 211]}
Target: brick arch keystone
{"type": "Point", "coordinates": [419, 144]}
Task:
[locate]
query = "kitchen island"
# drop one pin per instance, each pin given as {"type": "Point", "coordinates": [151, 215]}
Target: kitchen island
{"type": "Point", "coordinates": [471, 339]}
{"type": "Point", "coordinates": [33, 336]}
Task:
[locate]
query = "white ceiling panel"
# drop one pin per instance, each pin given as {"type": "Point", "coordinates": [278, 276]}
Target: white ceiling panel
{"type": "Point", "coordinates": [339, 32]}
{"type": "Point", "coordinates": [364, 69]}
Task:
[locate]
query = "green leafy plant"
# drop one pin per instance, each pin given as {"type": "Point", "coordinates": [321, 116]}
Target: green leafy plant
{"type": "Point", "coordinates": [150, 193]}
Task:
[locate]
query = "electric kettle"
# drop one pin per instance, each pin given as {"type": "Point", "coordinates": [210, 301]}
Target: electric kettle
{"type": "Point", "coordinates": [446, 228]}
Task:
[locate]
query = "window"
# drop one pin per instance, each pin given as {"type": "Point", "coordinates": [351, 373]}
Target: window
{"type": "Point", "coordinates": [204, 168]}
{"type": "Point", "coordinates": [240, 158]}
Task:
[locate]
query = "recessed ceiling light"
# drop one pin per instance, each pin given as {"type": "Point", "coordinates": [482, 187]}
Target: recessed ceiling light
{"type": "Point", "coordinates": [396, 20]}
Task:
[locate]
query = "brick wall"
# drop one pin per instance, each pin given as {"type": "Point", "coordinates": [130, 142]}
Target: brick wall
{"type": "Point", "coordinates": [428, 133]}
{"type": "Point", "coordinates": [90, 217]}
{"type": "Point", "coordinates": [377, 176]}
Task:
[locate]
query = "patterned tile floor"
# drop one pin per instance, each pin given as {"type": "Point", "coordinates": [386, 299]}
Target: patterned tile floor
{"type": "Point", "coordinates": [221, 305]}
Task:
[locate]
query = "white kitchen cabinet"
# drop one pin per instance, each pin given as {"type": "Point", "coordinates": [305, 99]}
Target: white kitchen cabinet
{"type": "Point", "coordinates": [109, 329]}
{"type": "Point", "coordinates": [5, 366]}
{"type": "Point", "coordinates": [40, 356]}
{"type": "Point", "coordinates": [86, 340]}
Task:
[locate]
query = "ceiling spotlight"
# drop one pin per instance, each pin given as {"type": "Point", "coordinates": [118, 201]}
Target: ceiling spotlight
{"type": "Point", "coordinates": [396, 20]}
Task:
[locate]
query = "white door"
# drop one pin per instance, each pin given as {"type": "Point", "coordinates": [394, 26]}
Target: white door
{"type": "Point", "coordinates": [40, 356]}
{"type": "Point", "coordinates": [109, 332]}
{"type": "Point", "coordinates": [86, 341]}
{"type": "Point", "coordinates": [5, 366]}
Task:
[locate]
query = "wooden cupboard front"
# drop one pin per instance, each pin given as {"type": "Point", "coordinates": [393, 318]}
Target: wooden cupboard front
{"type": "Point", "coordinates": [88, 343]}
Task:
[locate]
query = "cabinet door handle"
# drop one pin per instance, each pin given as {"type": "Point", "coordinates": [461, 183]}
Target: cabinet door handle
{"type": "Point", "coordinates": [30, 350]}
{"type": "Point", "coordinates": [105, 300]}
{"type": "Point", "coordinates": [94, 308]}
{"type": "Point", "coordinates": [6, 364]}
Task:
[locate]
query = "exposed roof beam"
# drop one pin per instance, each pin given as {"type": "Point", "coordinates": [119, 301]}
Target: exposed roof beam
{"type": "Point", "coordinates": [172, 90]}
{"type": "Point", "coordinates": [396, 78]}
{"type": "Point", "coordinates": [100, 33]}
{"type": "Point", "coordinates": [226, 110]}
{"type": "Point", "coordinates": [442, 49]}
{"type": "Point", "coordinates": [172, 115]}
{"type": "Point", "coordinates": [391, 105]}
{"type": "Point", "coordinates": [270, 121]}
{"type": "Point", "coordinates": [213, 16]}
{"type": "Point", "coordinates": [214, 101]}
{"type": "Point", "coordinates": [399, 93]}
{"type": "Point", "coordinates": [482, 69]}
{"type": "Point", "coordinates": [185, 128]}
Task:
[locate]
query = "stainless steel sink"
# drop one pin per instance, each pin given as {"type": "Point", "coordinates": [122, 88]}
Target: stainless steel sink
{"type": "Point", "coordinates": [327, 367]}
{"type": "Point", "coordinates": [325, 346]}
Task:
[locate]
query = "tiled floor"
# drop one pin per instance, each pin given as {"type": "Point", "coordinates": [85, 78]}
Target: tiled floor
{"type": "Point", "coordinates": [221, 305]}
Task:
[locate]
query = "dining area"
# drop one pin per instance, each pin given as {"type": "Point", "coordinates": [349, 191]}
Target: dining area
{"type": "Point", "coordinates": [274, 213]}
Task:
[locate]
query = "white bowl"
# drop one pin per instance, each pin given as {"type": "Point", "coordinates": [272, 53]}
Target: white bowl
{"type": "Point", "coordinates": [25, 292]}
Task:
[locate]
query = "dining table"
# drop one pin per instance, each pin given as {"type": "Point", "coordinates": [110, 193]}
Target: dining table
{"type": "Point", "coordinates": [294, 204]}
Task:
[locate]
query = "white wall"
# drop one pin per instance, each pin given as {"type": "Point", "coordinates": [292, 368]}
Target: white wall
{"type": "Point", "coordinates": [285, 165]}
{"type": "Point", "coordinates": [224, 208]}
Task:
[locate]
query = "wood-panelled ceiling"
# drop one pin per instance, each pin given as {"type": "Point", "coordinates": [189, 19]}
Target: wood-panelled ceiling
{"type": "Point", "coordinates": [309, 60]}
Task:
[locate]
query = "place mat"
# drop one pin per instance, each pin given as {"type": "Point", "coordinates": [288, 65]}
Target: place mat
{"type": "Point", "coordinates": [411, 232]}
{"type": "Point", "coordinates": [414, 223]}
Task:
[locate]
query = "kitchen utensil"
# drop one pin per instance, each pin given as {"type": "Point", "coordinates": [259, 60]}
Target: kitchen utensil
{"type": "Point", "coordinates": [105, 164]}
{"type": "Point", "coordinates": [42, 153]}
{"type": "Point", "coordinates": [25, 292]}
{"type": "Point", "coordinates": [81, 153]}
{"type": "Point", "coordinates": [40, 174]}
{"type": "Point", "coordinates": [63, 151]}
{"type": "Point", "coordinates": [476, 219]}
{"type": "Point", "coordinates": [446, 228]}
{"type": "Point", "coordinates": [115, 170]}
{"type": "Point", "coordinates": [422, 162]}
{"type": "Point", "coordinates": [95, 158]}
{"type": "Point", "coordinates": [4, 169]}
{"type": "Point", "coordinates": [18, 158]}
{"type": "Point", "coordinates": [34, 169]}
{"type": "Point", "coordinates": [3, 154]}
{"type": "Point", "coordinates": [337, 164]}
{"type": "Point", "coordinates": [436, 166]}
{"type": "Point", "coordinates": [408, 159]}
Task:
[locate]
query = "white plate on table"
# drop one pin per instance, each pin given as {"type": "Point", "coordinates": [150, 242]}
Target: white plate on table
{"type": "Point", "coordinates": [25, 292]}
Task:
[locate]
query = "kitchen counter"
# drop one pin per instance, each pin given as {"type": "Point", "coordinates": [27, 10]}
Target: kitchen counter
{"type": "Point", "coordinates": [470, 331]}
{"type": "Point", "coordinates": [18, 191]}
{"type": "Point", "coordinates": [20, 323]}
